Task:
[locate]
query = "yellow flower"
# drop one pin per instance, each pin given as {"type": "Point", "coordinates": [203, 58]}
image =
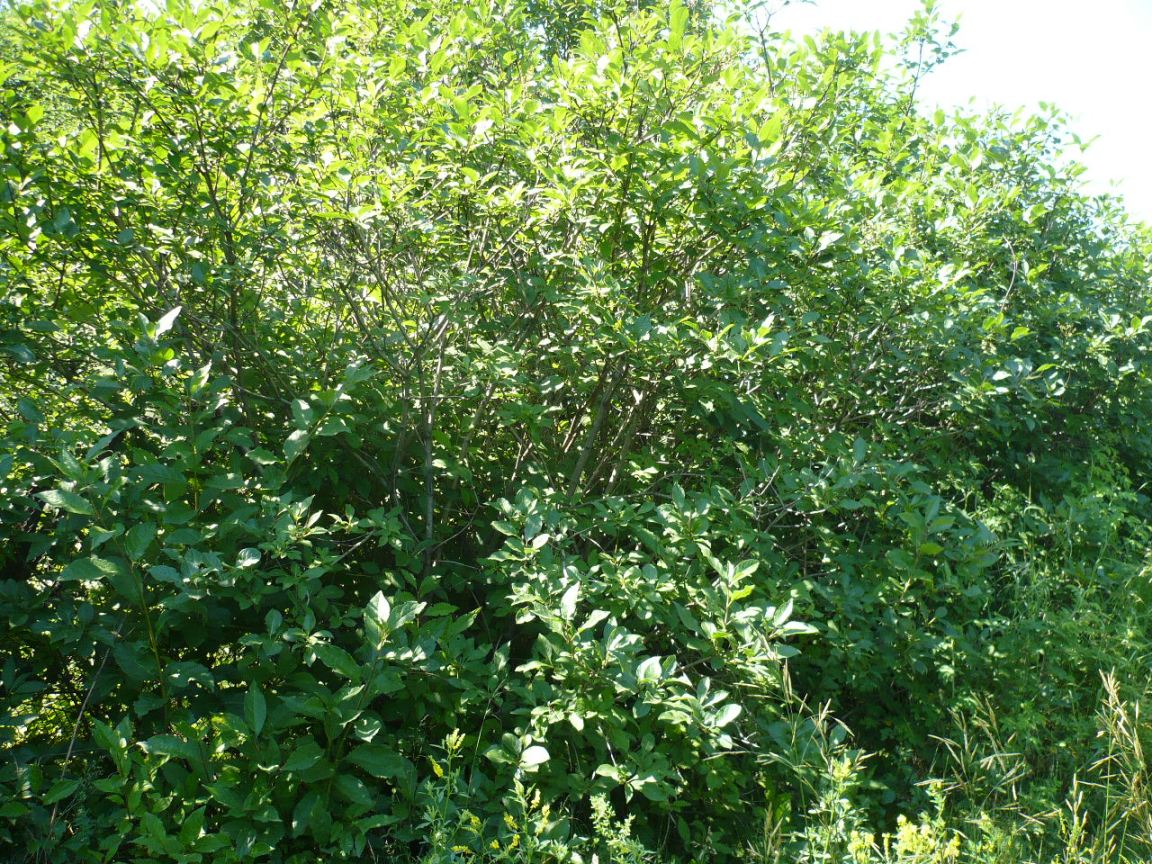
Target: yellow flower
{"type": "Point", "coordinates": [436, 769]}
{"type": "Point", "coordinates": [860, 846]}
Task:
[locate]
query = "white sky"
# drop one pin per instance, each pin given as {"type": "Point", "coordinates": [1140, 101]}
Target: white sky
{"type": "Point", "coordinates": [1092, 59]}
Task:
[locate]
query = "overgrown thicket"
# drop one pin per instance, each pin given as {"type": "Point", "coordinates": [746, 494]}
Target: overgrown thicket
{"type": "Point", "coordinates": [557, 431]}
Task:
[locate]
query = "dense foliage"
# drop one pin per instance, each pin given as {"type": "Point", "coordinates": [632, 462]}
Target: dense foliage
{"type": "Point", "coordinates": [547, 430]}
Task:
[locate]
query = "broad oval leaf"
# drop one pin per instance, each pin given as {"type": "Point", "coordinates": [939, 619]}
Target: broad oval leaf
{"type": "Point", "coordinates": [726, 715]}
{"type": "Point", "coordinates": [380, 762]}
{"type": "Point", "coordinates": [166, 321]}
{"type": "Point", "coordinates": [255, 709]}
{"type": "Point", "coordinates": [67, 501]}
{"type": "Point", "coordinates": [534, 756]}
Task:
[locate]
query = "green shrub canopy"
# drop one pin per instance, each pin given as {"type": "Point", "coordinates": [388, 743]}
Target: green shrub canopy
{"type": "Point", "coordinates": [435, 427]}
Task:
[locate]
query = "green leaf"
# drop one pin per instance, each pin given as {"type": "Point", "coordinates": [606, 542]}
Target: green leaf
{"type": "Point", "coordinates": [134, 662]}
{"type": "Point", "coordinates": [726, 715]}
{"type": "Point", "coordinates": [181, 674]}
{"type": "Point", "coordinates": [568, 602]}
{"type": "Point", "coordinates": [166, 321]}
{"type": "Point", "coordinates": [199, 379]}
{"type": "Point", "coordinates": [153, 826]}
{"type": "Point", "coordinates": [306, 754]}
{"type": "Point", "coordinates": [380, 762]}
{"type": "Point", "coordinates": [171, 747]}
{"type": "Point", "coordinates": [594, 618]}
{"type": "Point", "coordinates": [296, 444]}
{"type": "Point", "coordinates": [303, 414]}
{"type": "Point", "coordinates": [677, 20]}
{"type": "Point", "coordinates": [651, 789]}
{"type": "Point", "coordinates": [376, 619]}
{"type": "Point", "coordinates": [68, 501]}
{"type": "Point", "coordinates": [353, 789]}
{"type": "Point", "coordinates": [90, 569]}
{"type": "Point", "coordinates": [30, 411]}
{"type": "Point", "coordinates": [649, 670]}
{"type": "Point", "coordinates": [20, 351]}
{"type": "Point", "coordinates": [112, 571]}
{"type": "Point", "coordinates": [608, 770]}
{"type": "Point", "coordinates": [255, 709]}
{"type": "Point", "coordinates": [782, 614]}
{"type": "Point", "coordinates": [304, 811]}
{"type": "Point", "coordinates": [138, 539]}
{"type": "Point", "coordinates": [338, 660]}
{"type": "Point", "coordinates": [379, 609]}
{"type": "Point", "coordinates": [108, 737]}
{"type": "Point", "coordinates": [263, 457]}
{"type": "Point", "coordinates": [164, 573]}
{"type": "Point", "coordinates": [60, 790]}
{"type": "Point", "coordinates": [534, 756]}
{"type": "Point", "coordinates": [192, 825]}
{"type": "Point", "coordinates": [248, 557]}
{"type": "Point", "coordinates": [151, 473]}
